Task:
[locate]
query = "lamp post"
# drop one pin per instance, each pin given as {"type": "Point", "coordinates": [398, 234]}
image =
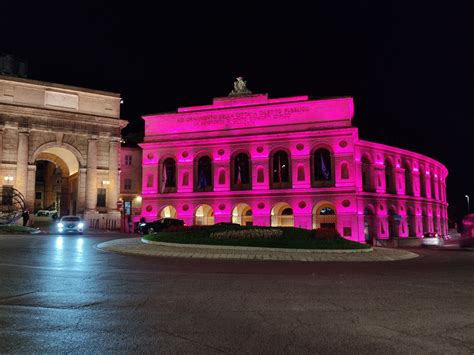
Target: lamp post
{"type": "Point", "coordinates": [468, 208]}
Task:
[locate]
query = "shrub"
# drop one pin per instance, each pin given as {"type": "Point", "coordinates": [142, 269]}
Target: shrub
{"type": "Point", "coordinates": [326, 234]}
{"type": "Point", "coordinates": [247, 234]}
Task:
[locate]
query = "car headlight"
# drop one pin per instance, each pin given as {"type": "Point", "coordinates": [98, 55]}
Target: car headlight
{"type": "Point", "coordinates": [60, 225]}
{"type": "Point", "coordinates": [81, 225]}
{"type": "Point", "coordinates": [142, 224]}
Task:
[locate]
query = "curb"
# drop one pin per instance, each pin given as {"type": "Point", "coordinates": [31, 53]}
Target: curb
{"type": "Point", "coordinates": [230, 247]}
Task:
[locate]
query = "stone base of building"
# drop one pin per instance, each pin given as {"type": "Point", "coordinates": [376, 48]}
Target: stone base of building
{"type": "Point", "coordinates": [109, 221]}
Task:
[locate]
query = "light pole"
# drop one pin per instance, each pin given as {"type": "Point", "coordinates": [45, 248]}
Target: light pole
{"type": "Point", "coordinates": [468, 209]}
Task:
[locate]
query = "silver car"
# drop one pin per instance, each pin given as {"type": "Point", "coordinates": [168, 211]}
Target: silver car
{"type": "Point", "coordinates": [432, 239]}
{"type": "Point", "coordinates": [70, 224]}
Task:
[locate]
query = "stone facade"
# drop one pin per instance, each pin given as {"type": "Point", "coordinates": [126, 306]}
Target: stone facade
{"type": "Point", "coordinates": [287, 162]}
{"type": "Point", "coordinates": [131, 180]}
{"type": "Point", "coordinates": [77, 130]}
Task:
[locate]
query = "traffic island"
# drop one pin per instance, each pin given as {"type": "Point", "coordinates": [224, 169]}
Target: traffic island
{"type": "Point", "coordinates": [139, 246]}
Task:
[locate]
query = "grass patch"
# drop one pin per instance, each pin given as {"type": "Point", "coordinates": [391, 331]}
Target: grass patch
{"type": "Point", "coordinates": [16, 229]}
{"type": "Point", "coordinates": [294, 238]}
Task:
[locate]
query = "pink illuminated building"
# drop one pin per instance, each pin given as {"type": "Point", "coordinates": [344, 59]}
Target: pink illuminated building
{"type": "Point", "coordinates": [290, 161]}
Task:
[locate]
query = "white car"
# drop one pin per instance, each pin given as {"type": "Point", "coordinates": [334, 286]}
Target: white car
{"type": "Point", "coordinates": [431, 239]}
{"type": "Point", "coordinates": [46, 213]}
{"type": "Point", "coordinates": [70, 224]}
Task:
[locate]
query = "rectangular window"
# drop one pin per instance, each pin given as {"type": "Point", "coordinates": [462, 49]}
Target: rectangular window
{"type": "Point", "coordinates": [101, 197]}
{"type": "Point", "coordinates": [128, 160]}
{"type": "Point", "coordinates": [7, 195]}
{"type": "Point", "coordinates": [38, 195]}
{"type": "Point", "coordinates": [127, 184]}
{"type": "Point", "coordinates": [347, 231]}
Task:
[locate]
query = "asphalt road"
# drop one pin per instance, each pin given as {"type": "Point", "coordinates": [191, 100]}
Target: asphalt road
{"type": "Point", "coordinates": [60, 294]}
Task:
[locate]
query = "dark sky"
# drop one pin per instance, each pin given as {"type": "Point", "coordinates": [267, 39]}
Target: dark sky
{"type": "Point", "coordinates": [409, 66]}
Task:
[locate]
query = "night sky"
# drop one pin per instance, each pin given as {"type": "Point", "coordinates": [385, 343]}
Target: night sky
{"type": "Point", "coordinates": [408, 66]}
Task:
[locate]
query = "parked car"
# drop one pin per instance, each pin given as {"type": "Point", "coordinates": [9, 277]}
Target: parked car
{"type": "Point", "coordinates": [70, 224]}
{"type": "Point", "coordinates": [45, 213]}
{"type": "Point", "coordinates": [159, 225]}
{"type": "Point", "coordinates": [432, 239]}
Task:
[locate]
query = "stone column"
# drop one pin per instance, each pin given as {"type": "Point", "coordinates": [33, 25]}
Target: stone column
{"type": "Point", "coordinates": [81, 193]}
{"type": "Point", "coordinates": [114, 185]}
{"type": "Point", "coordinates": [91, 180]}
{"type": "Point", "coordinates": [1, 153]}
{"type": "Point", "coordinates": [21, 179]}
{"type": "Point", "coordinates": [31, 187]}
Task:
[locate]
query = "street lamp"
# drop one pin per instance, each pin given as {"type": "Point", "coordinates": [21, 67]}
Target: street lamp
{"type": "Point", "coordinates": [8, 179]}
{"type": "Point", "coordinates": [105, 182]}
{"type": "Point", "coordinates": [467, 198]}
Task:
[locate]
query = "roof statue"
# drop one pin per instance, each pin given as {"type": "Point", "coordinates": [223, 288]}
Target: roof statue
{"type": "Point", "coordinates": [240, 88]}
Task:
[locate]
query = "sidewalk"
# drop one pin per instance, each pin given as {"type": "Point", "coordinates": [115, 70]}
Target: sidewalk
{"type": "Point", "coordinates": [134, 246]}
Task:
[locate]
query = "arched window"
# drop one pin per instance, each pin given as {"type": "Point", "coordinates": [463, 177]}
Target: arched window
{"type": "Point", "coordinates": [168, 176]}
{"type": "Point", "coordinates": [422, 182]}
{"type": "Point", "coordinates": [369, 225]}
{"type": "Point", "coordinates": [392, 224]}
{"type": "Point", "coordinates": [322, 168]}
{"type": "Point", "coordinates": [389, 178]}
{"type": "Point", "coordinates": [344, 171]}
{"type": "Point", "coordinates": [411, 222]}
{"type": "Point", "coordinates": [203, 174]}
{"type": "Point", "coordinates": [366, 174]}
{"type": "Point", "coordinates": [240, 170]}
{"type": "Point", "coordinates": [280, 170]}
{"type": "Point", "coordinates": [433, 186]}
{"type": "Point", "coordinates": [408, 180]}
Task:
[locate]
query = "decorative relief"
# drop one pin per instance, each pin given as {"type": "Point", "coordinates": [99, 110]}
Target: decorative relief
{"type": "Point", "coordinates": [221, 151]}
{"type": "Point", "coordinates": [184, 154]}
{"type": "Point", "coordinates": [261, 206]}
{"type": "Point", "coordinates": [185, 207]}
{"type": "Point", "coordinates": [149, 208]}
{"type": "Point", "coordinates": [343, 144]}
{"type": "Point", "coordinates": [260, 149]}
{"type": "Point", "coordinates": [222, 207]}
{"type": "Point", "coordinates": [300, 146]}
{"type": "Point", "coordinates": [346, 203]}
{"type": "Point", "coordinates": [150, 156]}
{"type": "Point", "coordinates": [302, 204]}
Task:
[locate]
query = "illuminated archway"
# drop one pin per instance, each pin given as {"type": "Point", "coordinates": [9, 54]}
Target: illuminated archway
{"type": "Point", "coordinates": [282, 215]}
{"type": "Point", "coordinates": [168, 212]}
{"type": "Point", "coordinates": [57, 178]}
{"type": "Point", "coordinates": [242, 214]}
{"type": "Point", "coordinates": [324, 215]}
{"type": "Point", "coordinates": [204, 216]}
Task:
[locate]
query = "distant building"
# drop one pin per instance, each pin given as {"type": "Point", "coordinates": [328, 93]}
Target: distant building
{"type": "Point", "coordinates": [291, 161]}
{"type": "Point", "coordinates": [131, 180]}
{"type": "Point", "coordinates": [9, 65]}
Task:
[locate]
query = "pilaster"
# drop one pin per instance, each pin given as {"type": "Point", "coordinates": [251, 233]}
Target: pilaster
{"type": "Point", "coordinates": [91, 183]}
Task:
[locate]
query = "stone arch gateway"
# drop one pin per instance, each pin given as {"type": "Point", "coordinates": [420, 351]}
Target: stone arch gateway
{"type": "Point", "coordinates": [67, 133]}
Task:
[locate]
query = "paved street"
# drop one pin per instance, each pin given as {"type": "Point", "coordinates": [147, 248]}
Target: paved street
{"type": "Point", "coordinates": [60, 294]}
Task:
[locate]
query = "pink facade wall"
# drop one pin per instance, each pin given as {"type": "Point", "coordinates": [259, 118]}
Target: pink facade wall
{"type": "Point", "coordinates": [413, 202]}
